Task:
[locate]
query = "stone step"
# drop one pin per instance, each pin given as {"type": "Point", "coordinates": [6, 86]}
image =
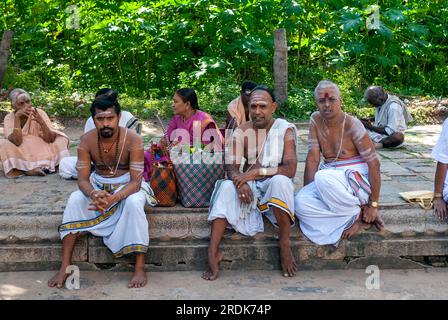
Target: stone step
{"type": "Point", "coordinates": [250, 254]}
{"type": "Point", "coordinates": [167, 224]}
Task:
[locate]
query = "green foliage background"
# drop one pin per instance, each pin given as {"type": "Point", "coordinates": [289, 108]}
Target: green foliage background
{"type": "Point", "coordinates": [147, 49]}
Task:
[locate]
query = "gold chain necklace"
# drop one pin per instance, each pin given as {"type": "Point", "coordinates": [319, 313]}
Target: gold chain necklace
{"type": "Point", "coordinates": [100, 146]}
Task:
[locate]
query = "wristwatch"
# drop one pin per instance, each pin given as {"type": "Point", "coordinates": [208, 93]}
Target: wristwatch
{"type": "Point", "coordinates": [374, 204]}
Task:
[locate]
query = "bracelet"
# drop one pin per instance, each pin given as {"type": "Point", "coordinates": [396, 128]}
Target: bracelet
{"type": "Point", "coordinates": [437, 195]}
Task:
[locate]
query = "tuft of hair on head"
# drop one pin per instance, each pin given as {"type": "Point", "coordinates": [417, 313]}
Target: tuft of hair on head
{"type": "Point", "coordinates": [248, 85]}
{"type": "Point", "coordinates": [189, 95]}
{"type": "Point", "coordinates": [105, 100]}
{"type": "Point", "coordinates": [107, 92]}
{"type": "Point", "coordinates": [324, 84]}
{"type": "Point", "coordinates": [262, 87]}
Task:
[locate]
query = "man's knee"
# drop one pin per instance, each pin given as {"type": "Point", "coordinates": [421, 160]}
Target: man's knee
{"type": "Point", "coordinates": [135, 202]}
{"type": "Point", "coordinates": [76, 197]}
{"type": "Point", "coordinates": [282, 181]}
{"type": "Point", "coordinates": [227, 186]}
{"type": "Point", "coordinates": [299, 201]}
{"type": "Point", "coordinates": [322, 178]}
{"type": "Point", "coordinates": [394, 140]}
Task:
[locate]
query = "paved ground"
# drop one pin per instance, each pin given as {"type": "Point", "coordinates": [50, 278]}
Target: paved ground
{"type": "Point", "coordinates": [407, 168]}
{"type": "Point", "coordinates": [403, 169]}
{"type": "Point", "coordinates": [245, 285]}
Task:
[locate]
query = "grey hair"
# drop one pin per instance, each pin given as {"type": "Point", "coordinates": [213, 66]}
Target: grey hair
{"type": "Point", "coordinates": [324, 84]}
{"type": "Point", "coordinates": [15, 93]}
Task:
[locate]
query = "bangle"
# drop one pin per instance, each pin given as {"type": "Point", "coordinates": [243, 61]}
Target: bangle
{"type": "Point", "coordinates": [437, 195]}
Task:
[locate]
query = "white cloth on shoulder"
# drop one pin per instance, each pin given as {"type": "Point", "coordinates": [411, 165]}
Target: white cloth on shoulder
{"type": "Point", "coordinates": [274, 145]}
{"type": "Point", "coordinates": [332, 202]}
{"type": "Point", "coordinates": [440, 154]}
{"type": "Point", "coordinates": [123, 226]}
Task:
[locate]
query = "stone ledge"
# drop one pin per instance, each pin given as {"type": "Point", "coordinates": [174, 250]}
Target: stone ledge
{"type": "Point", "coordinates": [265, 255]}
{"type": "Point", "coordinates": [194, 225]}
{"type": "Point", "coordinates": [31, 253]}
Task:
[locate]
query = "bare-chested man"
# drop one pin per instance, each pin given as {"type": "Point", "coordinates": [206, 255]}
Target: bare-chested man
{"type": "Point", "coordinates": [340, 195]}
{"type": "Point", "coordinates": [110, 202]}
{"type": "Point", "coordinates": [264, 187]}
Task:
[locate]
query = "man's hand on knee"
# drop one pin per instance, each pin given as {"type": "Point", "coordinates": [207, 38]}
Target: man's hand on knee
{"type": "Point", "coordinates": [245, 177]}
{"type": "Point", "coordinates": [245, 193]}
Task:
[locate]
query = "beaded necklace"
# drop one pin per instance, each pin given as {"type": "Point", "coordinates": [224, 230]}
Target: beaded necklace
{"type": "Point", "coordinates": [100, 148]}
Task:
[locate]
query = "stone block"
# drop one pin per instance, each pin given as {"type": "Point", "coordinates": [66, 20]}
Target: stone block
{"type": "Point", "coordinates": [40, 252]}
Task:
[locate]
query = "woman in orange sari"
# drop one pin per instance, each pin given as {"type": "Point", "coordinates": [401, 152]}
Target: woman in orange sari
{"type": "Point", "coordinates": [31, 145]}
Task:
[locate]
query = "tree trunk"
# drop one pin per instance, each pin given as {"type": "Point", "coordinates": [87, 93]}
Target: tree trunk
{"type": "Point", "coordinates": [280, 66]}
{"type": "Point", "coordinates": [4, 52]}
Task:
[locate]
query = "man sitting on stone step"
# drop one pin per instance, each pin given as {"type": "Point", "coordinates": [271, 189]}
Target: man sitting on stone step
{"type": "Point", "coordinates": [110, 201]}
{"type": "Point", "coordinates": [391, 118]}
{"type": "Point", "coordinates": [67, 166]}
{"type": "Point", "coordinates": [440, 154]}
{"type": "Point", "coordinates": [264, 187]}
{"type": "Point", "coordinates": [340, 195]}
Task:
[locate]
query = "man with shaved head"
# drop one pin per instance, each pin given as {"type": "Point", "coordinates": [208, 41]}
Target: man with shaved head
{"type": "Point", "coordinates": [391, 118]}
{"type": "Point", "coordinates": [340, 195]}
{"type": "Point", "coordinates": [265, 149]}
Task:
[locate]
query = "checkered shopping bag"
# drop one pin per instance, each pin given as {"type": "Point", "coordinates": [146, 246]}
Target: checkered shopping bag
{"type": "Point", "coordinates": [161, 176]}
{"type": "Point", "coordinates": [196, 181]}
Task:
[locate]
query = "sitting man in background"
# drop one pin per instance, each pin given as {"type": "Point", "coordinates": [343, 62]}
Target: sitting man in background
{"type": "Point", "coordinates": [238, 108]}
{"type": "Point", "coordinates": [67, 166]}
{"type": "Point", "coordinates": [110, 201]}
{"type": "Point", "coordinates": [391, 118]}
{"type": "Point", "coordinates": [31, 145]}
{"type": "Point", "coordinates": [340, 195]}
{"type": "Point", "coordinates": [440, 154]}
{"type": "Point", "coordinates": [267, 146]}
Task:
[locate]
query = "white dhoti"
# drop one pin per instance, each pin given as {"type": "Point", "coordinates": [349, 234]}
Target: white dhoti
{"type": "Point", "coordinates": [332, 202]}
{"type": "Point", "coordinates": [277, 191]}
{"type": "Point", "coordinates": [123, 226]}
{"type": "Point", "coordinates": [67, 168]}
{"type": "Point", "coordinates": [375, 136]}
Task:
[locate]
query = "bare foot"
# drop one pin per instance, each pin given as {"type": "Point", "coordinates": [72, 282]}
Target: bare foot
{"type": "Point", "coordinates": [139, 279]}
{"type": "Point", "coordinates": [58, 280]}
{"type": "Point", "coordinates": [355, 228]}
{"type": "Point", "coordinates": [289, 267]}
{"type": "Point", "coordinates": [379, 223]}
{"type": "Point", "coordinates": [14, 173]}
{"type": "Point", "coordinates": [36, 172]}
{"type": "Point", "coordinates": [213, 265]}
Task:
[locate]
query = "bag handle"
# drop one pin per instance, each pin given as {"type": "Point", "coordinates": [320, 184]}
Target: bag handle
{"type": "Point", "coordinates": [165, 135]}
{"type": "Point", "coordinates": [425, 206]}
